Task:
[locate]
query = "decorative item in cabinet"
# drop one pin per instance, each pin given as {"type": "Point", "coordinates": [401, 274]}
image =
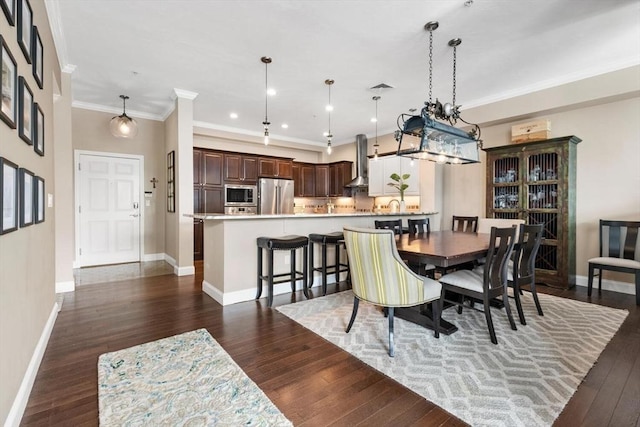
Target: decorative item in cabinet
{"type": "Point", "coordinates": [536, 181]}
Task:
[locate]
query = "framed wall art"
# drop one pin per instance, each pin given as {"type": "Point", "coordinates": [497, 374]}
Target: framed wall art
{"type": "Point", "coordinates": [9, 9]}
{"type": "Point", "coordinates": [25, 28]}
{"type": "Point", "coordinates": [38, 129]}
{"type": "Point", "coordinates": [171, 181]}
{"type": "Point", "coordinates": [25, 111]}
{"type": "Point", "coordinates": [26, 179]}
{"type": "Point", "coordinates": [8, 196]}
{"type": "Point", "coordinates": [8, 85]}
{"type": "Point", "coordinates": [39, 199]}
{"type": "Point", "coordinates": [37, 58]}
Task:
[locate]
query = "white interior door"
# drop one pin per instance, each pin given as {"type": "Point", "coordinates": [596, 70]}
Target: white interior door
{"type": "Point", "coordinates": [108, 209]}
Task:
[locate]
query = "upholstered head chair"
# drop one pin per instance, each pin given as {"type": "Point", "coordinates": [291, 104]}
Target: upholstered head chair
{"type": "Point", "coordinates": [380, 277]}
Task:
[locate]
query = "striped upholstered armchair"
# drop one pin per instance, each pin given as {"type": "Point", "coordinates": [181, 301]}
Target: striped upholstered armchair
{"type": "Point", "coordinates": [380, 277]}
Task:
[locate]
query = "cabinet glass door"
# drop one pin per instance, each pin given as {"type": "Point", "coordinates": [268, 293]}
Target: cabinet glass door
{"type": "Point", "coordinates": [542, 204]}
{"type": "Point", "coordinates": [506, 188]}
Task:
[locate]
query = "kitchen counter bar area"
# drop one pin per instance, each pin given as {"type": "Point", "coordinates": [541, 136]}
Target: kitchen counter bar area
{"type": "Point", "coordinates": [230, 251]}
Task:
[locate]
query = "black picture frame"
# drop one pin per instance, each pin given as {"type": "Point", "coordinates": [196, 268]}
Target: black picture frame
{"type": "Point", "coordinates": [37, 56]}
{"type": "Point", "coordinates": [38, 129]}
{"type": "Point", "coordinates": [9, 9]}
{"type": "Point", "coordinates": [25, 27]}
{"type": "Point", "coordinates": [38, 199]}
{"type": "Point", "coordinates": [27, 180]}
{"type": "Point", "coordinates": [171, 181]}
{"type": "Point", "coordinates": [8, 196]}
{"type": "Point", "coordinates": [25, 111]}
{"type": "Point", "coordinates": [8, 85]}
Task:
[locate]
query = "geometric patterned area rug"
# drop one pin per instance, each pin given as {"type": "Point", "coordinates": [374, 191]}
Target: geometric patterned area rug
{"type": "Point", "coordinates": [525, 380]}
{"type": "Point", "coordinates": [183, 380]}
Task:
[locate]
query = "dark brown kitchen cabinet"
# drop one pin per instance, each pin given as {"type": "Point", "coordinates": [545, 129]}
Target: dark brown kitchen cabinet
{"type": "Point", "coordinates": [536, 181]}
{"type": "Point", "coordinates": [208, 194]}
{"type": "Point", "coordinates": [322, 181]}
{"type": "Point", "coordinates": [304, 175]}
{"type": "Point", "coordinates": [339, 176]}
{"type": "Point", "coordinates": [239, 167]}
{"type": "Point", "coordinates": [271, 167]}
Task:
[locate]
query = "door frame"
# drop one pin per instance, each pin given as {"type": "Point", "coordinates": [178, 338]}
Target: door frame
{"type": "Point", "coordinates": [76, 188]}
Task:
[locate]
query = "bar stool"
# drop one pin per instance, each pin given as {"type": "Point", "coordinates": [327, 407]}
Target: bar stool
{"type": "Point", "coordinates": [335, 239]}
{"type": "Point", "coordinates": [288, 243]}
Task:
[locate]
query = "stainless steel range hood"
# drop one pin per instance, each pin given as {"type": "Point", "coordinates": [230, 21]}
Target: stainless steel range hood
{"type": "Point", "coordinates": [362, 177]}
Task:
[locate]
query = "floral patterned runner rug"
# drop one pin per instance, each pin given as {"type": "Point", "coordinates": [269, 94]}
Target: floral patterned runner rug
{"type": "Point", "coordinates": [186, 379]}
{"type": "Point", "coordinates": [525, 380]}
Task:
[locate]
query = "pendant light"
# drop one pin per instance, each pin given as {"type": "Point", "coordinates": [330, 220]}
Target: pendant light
{"type": "Point", "coordinates": [266, 61]}
{"type": "Point", "coordinates": [123, 126]}
{"type": "Point", "coordinates": [439, 139]}
{"type": "Point", "coordinates": [375, 119]}
{"type": "Point", "coordinates": [329, 109]}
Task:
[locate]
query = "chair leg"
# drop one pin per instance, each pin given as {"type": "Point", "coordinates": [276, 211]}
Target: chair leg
{"type": "Point", "coordinates": [324, 269]}
{"type": "Point", "coordinates": [391, 349]}
{"type": "Point", "coordinates": [311, 266]}
{"type": "Point", "coordinates": [305, 272]}
{"type": "Point", "coordinates": [270, 273]}
{"type": "Point", "coordinates": [590, 283]}
{"type": "Point", "coordinates": [259, 285]}
{"type": "Point", "coordinates": [637, 287]}
{"type": "Point", "coordinates": [461, 304]}
{"type": "Point", "coordinates": [293, 270]}
{"type": "Point", "coordinates": [487, 315]}
{"type": "Point", "coordinates": [435, 310]}
{"type": "Point", "coordinates": [599, 281]}
{"type": "Point", "coordinates": [354, 312]}
{"type": "Point", "coordinates": [516, 296]}
{"type": "Point", "coordinates": [507, 308]}
{"type": "Point", "coordinates": [535, 296]}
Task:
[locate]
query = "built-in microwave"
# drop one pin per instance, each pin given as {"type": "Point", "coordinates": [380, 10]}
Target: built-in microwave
{"type": "Point", "coordinates": [240, 195]}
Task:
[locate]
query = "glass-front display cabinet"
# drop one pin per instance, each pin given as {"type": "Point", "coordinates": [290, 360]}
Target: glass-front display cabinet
{"type": "Point", "coordinates": [536, 181]}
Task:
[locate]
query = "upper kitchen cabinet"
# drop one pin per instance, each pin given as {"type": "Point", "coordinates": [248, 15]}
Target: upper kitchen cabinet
{"type": "Point", "coordinates": [339, 176]}
{"type": "Point", "coordinates": [536, 181]}
{"type": "Point", "coordinates": [322, 181]}
{"type": "Point", "coordinates": [304, 178]}
{"type": "Point", "coordinates": [380, 171]}
{"type": "Point", "coordinates": [240, 167]}
{"type": "Point", "coordinates": [207, 167]}
{"type": "Point", "coordinates": [271, 167]}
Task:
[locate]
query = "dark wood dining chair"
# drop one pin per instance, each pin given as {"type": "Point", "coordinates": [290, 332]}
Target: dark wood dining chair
{"type": "Point", "coordinates": [618, 242]}
{"type": "Point", "coordinates": [419, 226]}
{"type": "Point", "coordinates": [523, 270]}
{"type": "Point", "coordinates": [466, 224]}
{"type": "Point", "coordinates": [395, 225]}
{"type": "Point", "coordinates": [485, 282]}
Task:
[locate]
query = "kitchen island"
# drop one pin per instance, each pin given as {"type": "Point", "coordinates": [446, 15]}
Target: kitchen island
{"type": "Point", "coordinates": [230, 251]}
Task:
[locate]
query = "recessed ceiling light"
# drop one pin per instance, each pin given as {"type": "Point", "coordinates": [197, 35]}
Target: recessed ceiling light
{"type": "Point", "coordinates": [373, 120]}
{"type": "Point", "coordinates": [271, 91]}
{"type": "Point", "coordinates": [233, 115]}
{"type": "Point", "coordinates": [285, 126]}
{"type": "Point", "coordinates": [325, 133]}
{"type": "Point", "coordinates": [329, 107]}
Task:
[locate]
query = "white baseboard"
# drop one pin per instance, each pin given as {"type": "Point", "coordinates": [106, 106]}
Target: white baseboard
{"type": "Point", "coordinates": [184, 271]}
{"type": "Point", "coordinates": [153, 257]}
{"type": "Point", "coordinates": [20, 402]}
{"type": "Point", "coordinates": [69, 286]}
{"type": "Point", "coordinates": [228, 298]}
{"type": "Point", "coordinates": [609, 285]}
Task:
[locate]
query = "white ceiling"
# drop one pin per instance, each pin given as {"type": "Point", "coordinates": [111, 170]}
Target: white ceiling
{"type": "Point", "coordinates": [146, 48]}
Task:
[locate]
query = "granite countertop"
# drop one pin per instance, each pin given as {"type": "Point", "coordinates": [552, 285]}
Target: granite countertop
{"type": "Point", "coordinates": [217, 216]}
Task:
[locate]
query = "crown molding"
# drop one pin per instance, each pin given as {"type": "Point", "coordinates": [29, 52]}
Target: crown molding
{"type": "Point", "coordinates": [116, 111]}
{"type": "Point", "coordinates": [55, 22]}
{"type": "Point", "coordinates": [239, 131]}
{"type": "Point", "coordinates": [184, 94]}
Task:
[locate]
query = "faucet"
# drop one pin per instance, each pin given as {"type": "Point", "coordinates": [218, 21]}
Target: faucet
{"type": "Point", "coordinates": [393, 209]}
{"type": "Point", "coordinates": [330, 205]}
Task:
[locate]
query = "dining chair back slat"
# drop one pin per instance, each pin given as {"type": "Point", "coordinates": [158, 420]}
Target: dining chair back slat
{"type": "Point", "coordinates": [395, 225]}
{"type": "Point", "coordinates": [465, 224]}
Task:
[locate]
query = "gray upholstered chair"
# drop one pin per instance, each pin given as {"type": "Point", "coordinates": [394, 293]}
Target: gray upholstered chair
{"type": "Point", "coordinates": [485, 282]}
{"type": "Point", "coordinates": [619, 251]}
{"type": "Point", "coordinates": [380, 277]}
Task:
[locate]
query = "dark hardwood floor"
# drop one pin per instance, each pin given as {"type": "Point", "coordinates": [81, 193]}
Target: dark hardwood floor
{"type": "Point", "coordinates": [313, 382]}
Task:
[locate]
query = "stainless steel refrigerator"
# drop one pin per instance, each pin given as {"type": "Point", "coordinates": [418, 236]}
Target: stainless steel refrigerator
{"type": "Point", "coordinates": [275, 196]}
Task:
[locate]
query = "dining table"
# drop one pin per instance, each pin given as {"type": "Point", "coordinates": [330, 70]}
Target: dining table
{"type": "Point", "coordinates": [444, 249]}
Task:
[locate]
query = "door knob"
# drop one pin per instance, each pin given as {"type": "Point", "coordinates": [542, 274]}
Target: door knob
{"type": "Point", "coordinates": [135, 215]}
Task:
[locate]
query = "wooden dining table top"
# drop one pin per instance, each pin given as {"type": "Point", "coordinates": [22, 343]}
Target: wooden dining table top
{"type": "Point", "coordinates": [443, 248]}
